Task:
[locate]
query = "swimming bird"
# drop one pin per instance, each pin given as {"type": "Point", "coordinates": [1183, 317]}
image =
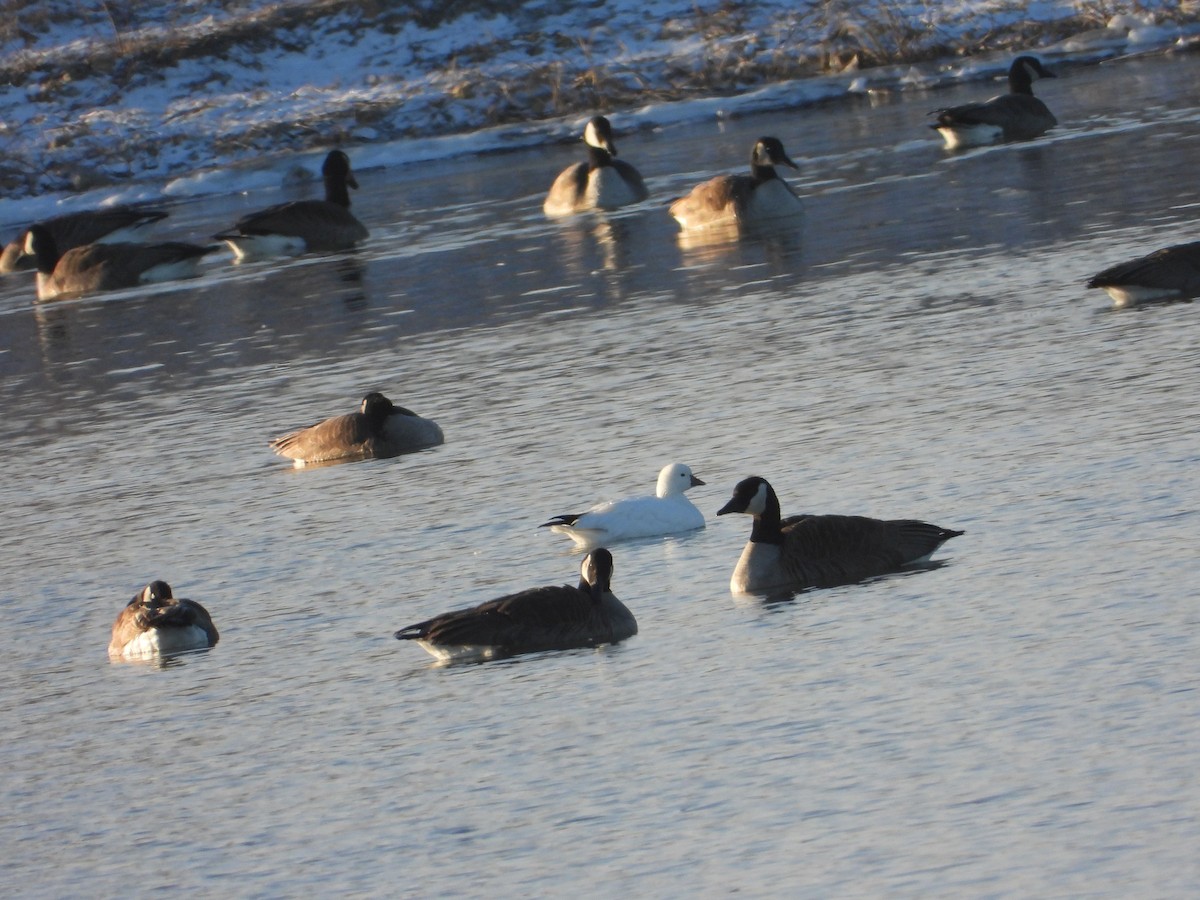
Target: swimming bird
{"type": "Point", "coordinates": [1172, 273]}
{"type": "Point", "coordinates": [603, 182]}
{"type": "Point", "coordinates": [760, 197]}
{"type": "Point", "coordinates": [820, 551]}
{"type": "Point", "coordinates": [156, 623]}
{"type": "Point", "coordinates": [378, 430]}
{"type": "Point", "coordinates": [667, 512]}
{"type": "Point", "coordinates": [301, 226]}
{"type": "Point", "coordinates": [545, 618]}
{"type": "Point", "coordinates": [108, 267]}
{"type": "Point", "coordinates": [1015, 116]}
{"type": "Point", "coordinates": [117, 223]}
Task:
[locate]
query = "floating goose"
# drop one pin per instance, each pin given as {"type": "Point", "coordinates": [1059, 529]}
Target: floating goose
{"type": "Point", "coordinates": [156, 623]}
{"type": "Point", "coordinates": [820, 551]}
{"type": "Point", "coordinates": [108, 267]}
{"type": "Point", "coordinates": [600, 183]}
{"type": "Point", "coordinates": [1172, 273]}
{"type": "Point", "coordinates": [668, 511]}
{"type": "Point", "coordinates": [544, 618]}
{"type": "Point", "coordinates": [1015, 116]}
{"type": "Point", "coordinates": [760, 197]}
{"type": "Point", "coordinates": [301, 226]}
{"type": "Point", "coordinates": [379, 430]}
{"type": "Point", "coordinates": [119, 223]}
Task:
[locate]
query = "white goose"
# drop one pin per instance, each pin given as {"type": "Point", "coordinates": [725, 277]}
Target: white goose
{"type": "Point", "coordinates": [667, 512]}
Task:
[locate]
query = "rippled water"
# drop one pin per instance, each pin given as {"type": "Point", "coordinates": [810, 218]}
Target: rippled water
{"type": "Point", "coordinates": [1022, 721]}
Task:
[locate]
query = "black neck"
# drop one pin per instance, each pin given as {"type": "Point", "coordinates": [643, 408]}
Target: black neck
{"type": "Point", "coordinates": [336, 190]}
{"type": "Point", "coordinates": [45, 253]}
{"type": "Point", "coordinates": [768, 528]}
{"type": "Point", "coordinates": [598, 157]}
{"type": "Point", "coordinates": [761, 172]}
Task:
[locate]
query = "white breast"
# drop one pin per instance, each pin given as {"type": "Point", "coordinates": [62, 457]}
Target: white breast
{"type": "Point", "coordinates": [772, 200]}
{"type": "Point", "coordinates": [156, 642]}
{"type": "Point", "coordinates": [606, 189]}
{"type": "Point", "coordinates": [757, 569]}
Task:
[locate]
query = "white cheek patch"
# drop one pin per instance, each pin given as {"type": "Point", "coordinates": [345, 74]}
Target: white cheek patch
{"type": "Point", "coordinates": [758, 505]}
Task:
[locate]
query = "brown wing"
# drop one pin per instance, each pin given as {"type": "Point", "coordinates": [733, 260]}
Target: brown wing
{"type": "Point", "coordinates": [567, 193]}
{"type": "Point", "coordinates": [719, 199]}
{"type": "Point", "coordinates": [823, 551]}
{"type": "Point", "coordinates": [334, 438]}
{"type": "Point", "coordinates": [1172, 268]}
{"type": "Point", "coordinates": [320, 224]}
{"type": "Point", "coordinates": [106, 267]}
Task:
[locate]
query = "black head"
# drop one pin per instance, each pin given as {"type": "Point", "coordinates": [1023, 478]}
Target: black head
{"type": "Point", "coordinates": [337, 167]}
{"type": "Point", "coordinates": [155, 593]}
{"type": "Point", "coordinates": [40, 244]}
{"type": "Point", "coordinates": [595, 574]}
{"type": "Point", "coordinates": [750, 496]}
{"type": "Point", "coordinates": [598, 133]}
{"type": "Point", "coordinates": [1025, 70]}
{"type": "Point", "coordinates": [375, 403]}
{"type": "Point", "coordinates": [768, 151]}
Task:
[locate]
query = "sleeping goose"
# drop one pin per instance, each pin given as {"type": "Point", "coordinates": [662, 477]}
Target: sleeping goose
{"type": "Point", "coordinates": [820, 551]}
{"type": "Point", "coordinates": [156, 623]}
{"type": "Point", "coordinates": [1015, 116]}
{"type": "Point", "coordinates": [118, 223]}
{"type": "Point", "coordinates": [108, 267]}
{"type": "Point", "coordinates": [380, 429]}
{"type": "Point", "coordinates": [760, 197]}
{"type": "Point", "coordinates": [1172, 273]}
{"type": "Point", "coordinates": [667, 512]}
{"type": "Point", "coordinates": [544, 618]}
{"type": "Point", "coordinates": [602, 182]}
{"type": "Point", "coordinates": [301, 226]}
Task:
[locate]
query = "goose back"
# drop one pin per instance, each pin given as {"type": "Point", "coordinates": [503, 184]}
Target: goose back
{"type": "Point", "coordinates": [107, 267]}
{"type": "Point", "coordinates": [379, 430]}
{"type": "Point", "coordinates": [1167, 274]}
{"type": "Point", "coordinates": [116, 224]}
{"type": "Point", "coordinates": [544, 618]}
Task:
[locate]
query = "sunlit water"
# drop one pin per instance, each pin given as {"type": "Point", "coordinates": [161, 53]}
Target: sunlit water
{"type": "Point", "coordinates": [1022, 721]}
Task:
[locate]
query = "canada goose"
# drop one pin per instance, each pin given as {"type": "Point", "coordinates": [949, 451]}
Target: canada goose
{"type": "Point", "coordinates": [155, 623]}
{"type": "Point", "coordinates": [1015, 116]}
{"type": "Point", "coordinates": [119, 223]}
{"type": "Point", "coordinates": [380, 429]}
{"type": "Point", "coordinates": [668, 511]}
{"type": "Point", "coordinates": [301, 226]}
{"type": "Point", "coordinates": [545, 618]}
{"type": "Point", "coordinates": [820, 551]}
{"type": "Point", "coordinates": [600, 183]}
{"type": "Point", "coordinates": [761, 196]}
{"type": "Point", "coordinates": [1172, 273]}
{"type": "Point", "coordinates": [108, 267]}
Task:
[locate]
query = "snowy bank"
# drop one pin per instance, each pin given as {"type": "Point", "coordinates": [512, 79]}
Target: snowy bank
{"type": "Point", "coordinates": [133, 101]}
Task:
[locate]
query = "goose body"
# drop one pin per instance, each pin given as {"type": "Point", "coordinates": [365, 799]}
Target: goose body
{"type": "Point", "coordinates": [667, 512]}
{"type": "Point", "coordinates": [545, 618]}
{"type": "Point", "coordinates": [156, 623]}
{"type": "Point", "coordinates": [1172, 273]}
{"type": "Point", "coordinates": [380, 429]}
{"type": "Point", "coordinates": [113, 225]}
{"type": "Point", "coordinates": [602, 182]}
{"type": "Point", "coordinates": [761, 197]}
{"type": "Point", "coordinates": [1015, 116]}
{"type": "Point", "coordinates": [808, 551]}
{"type": "Point", "coordinates": [302, 226]}
{"type": "Point", "coordinates": [108, 267]}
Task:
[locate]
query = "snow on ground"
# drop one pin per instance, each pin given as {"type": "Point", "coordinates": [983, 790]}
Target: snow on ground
{"type": "Point", "coordinates": [202, 96]}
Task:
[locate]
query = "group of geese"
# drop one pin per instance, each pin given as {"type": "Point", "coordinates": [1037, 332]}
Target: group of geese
{"type": "Point", "coordinates": [783, 556]}
{"type": "Point", "coordinates": [74, 254]}
{"type": "Point", "coordinates": [84, 252]}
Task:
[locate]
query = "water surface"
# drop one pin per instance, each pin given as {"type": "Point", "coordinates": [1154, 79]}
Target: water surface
{"type": "Point", "coordinates": [1021, 721]}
